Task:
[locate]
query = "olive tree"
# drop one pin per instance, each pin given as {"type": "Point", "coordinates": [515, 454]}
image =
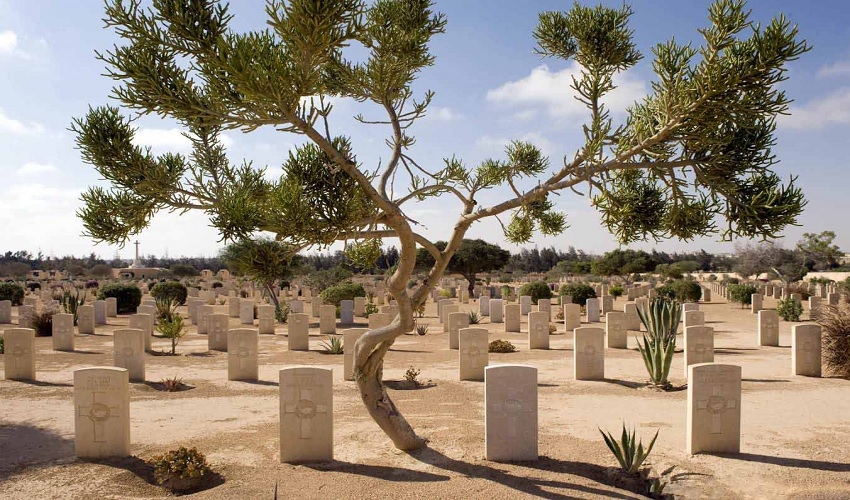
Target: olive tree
{"type": "Point", "coordinates": [694, 152]}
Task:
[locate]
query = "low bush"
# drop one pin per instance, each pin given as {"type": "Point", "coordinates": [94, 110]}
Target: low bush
{"type": "Point", "coordinates": [742, 294]}
{"type": "Point", "coordinates": [172, 291]}
{"type": "Point", "coordinates": [686, 290]}
{"type": "Point", "coordinates": [34, 286]}
{"type": "Point", "coordinates": [580, 292]}
{"type": "Point", "coordinates": [501, 346]}
{"type": "Point", "coordinates": [91, 284]}
{"type": "Point", "coordinates": [537, 290]}
{"type": "Point", "coordinates": [343, 291]}
{"type": "Point", "coordinates": [616, 291]}
{"type": "Point", "coordinates": [789, 309]}
{"type": "Point", "coordinates": [181, 469]}
{"type": "Point", "coordinates": [42, 322]}
{"type": "Point", "coordinates": [835, 322]}
{"type": "Point", "coordinates": [13, 292]}
{"type": "Point", "coordinates": [128, 295]}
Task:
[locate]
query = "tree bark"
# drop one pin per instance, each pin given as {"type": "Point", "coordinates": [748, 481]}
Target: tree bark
{"type": "Point", "coordinates": [471, 287]}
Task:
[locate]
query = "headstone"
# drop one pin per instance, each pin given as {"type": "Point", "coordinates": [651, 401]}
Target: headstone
{"type": "Point", "coordinates": [19, 357]}
{"type": "Point", "coordinates": [246, 312]}
{"type": "Point", "coordinates": [538, 330]}
{"type": "Point", "coordinates": [814, 307]}
{"type": "Point", "coordinates": [146, 309]}
{"type": "Point", "coordinates": [360, 306]}
{"type": "Point", "coordinates": [806, 350]}
{"type": "Point", "coordinates": [694, 318]}
{"type": "Point", "coordinates": [616, 333]}
{"type": "Point", "coordinates": [688, 306]}
{"type": "Point", "coordinates": [5, 311]}
{"type": "Point", "coordinates": [448, 309]}
{"type": "Point", "coordinates": [510, 412]}
{"type": "Point", "coordinates": [607, 302]}
{"type": "Point", "coordinates": [768, 328]}
{"type": "Point", "coordinates": [632, 319]}
{"type": "Point", "coordinates": [474, 355]}
{"type": "Point", "coordinates": [513, 317]}
{"type": "Point", "coordinates": [204, 312]}
{"type": "Point", "coordinates": [242, 355]}
{"type": "Point", "coordinates": [756, 303]}
{"type": "Point", "coordinates": [296, 306]}
{"type": "Point", "coordinates": [111, 307]}
{"type": "Point", "coordinates": [346, 312]}
{"type": "Point", "coordinates": [545, 305]}
{"type": "Point", "coordinates": [233, 306]}
{"type": "Point", "coordinates": [714, 409]}
{"type": "Point", "coordinates": [143, 322]}
{"type": "Point", "coordinates": [306, 414]}
{"type": "Point", "coordinates": [129, 352]}
{"type": "Point", "coordinates": [298, 332]}
{"type": "Point", "coordinates": [484, 306]}
{"type": "Point", "coordinates": [327, 319]}
{"type": "Point", "coordinates": [25, 314]}
{"type": "Point", "coordinates": [85, 319]}
{"type": "Point", "coordinates": [497, 313]}
{"type": "Point", "coordinates": [456, 321]}
{"type": "Point", "coordinates": [440, 304]}
{"type": "Point", "coordinates": [265, 319]}
{"type": "Point", "coordinates": [589, 353]}
{"type": "Point", "coordinates": [99, 312]}
{"type": "Point", "coordinates": [192, 306]}
{"type": "Point", "coordinates": [698, 345]}
{"type": "Point", "coordinates": [63, 332]}
{"type": "Point", "coordinates": [378, 320]}
{"type": "Point", "coordinates": [592, 310]}
{"type": "Point", "coordinates": [524, 304]}
{"type": "Point", "coordinates": [349, 338]}
{"type": "Point", "coordinates": [833, 298]}
{"type": "Point", "coordinates": [572, 316]}
{"type": "Point", "coordinates": [101, 412]}
{"type": "Point", "coordinates": [315, 306]}
{"type": "Point", "coordinates": [217, 336]}
{"type": "Point", "coordinates": [706, 294]}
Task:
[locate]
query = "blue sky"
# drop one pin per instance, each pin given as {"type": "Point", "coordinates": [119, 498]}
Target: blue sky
{"type": "Point", "coordinates": [490, 88]}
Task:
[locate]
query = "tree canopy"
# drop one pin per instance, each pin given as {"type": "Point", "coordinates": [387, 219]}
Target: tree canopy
{"type": "Point", "coordinates": [694, 157]}
{"type": "Point", "coordinates": [472, 257]}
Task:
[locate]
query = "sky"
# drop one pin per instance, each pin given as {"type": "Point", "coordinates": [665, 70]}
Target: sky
{"type": "Point", "coordinates": [489, 88]}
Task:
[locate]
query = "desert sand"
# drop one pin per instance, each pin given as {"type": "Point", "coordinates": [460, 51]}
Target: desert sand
{"type": "Point", "coordinates": [795, 439]}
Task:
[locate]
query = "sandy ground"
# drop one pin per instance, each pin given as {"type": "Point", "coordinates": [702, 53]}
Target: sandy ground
{"type": "Point", "coordinates": [795, 430]}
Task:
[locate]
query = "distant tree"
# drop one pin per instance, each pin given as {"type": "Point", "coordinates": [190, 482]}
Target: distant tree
{"type": "Point", "coordinates": [623, 262]}
{"type": "Point", "coordinates": [818, 252]}
{"type": "Point", "coordinates": [753, 259]}
{"type": "Point", "coordinates": [697, 150]}
{"type": "Point", "coordinates": [473, 257]}
{"type": "Point", "coordinates": [101, 271]}
{"type": "Point", "coordinates": [14, 269]}
{"type": "Point", "coordinates": [183, 270]}
{"type": "Point", "coordinates": [264, 261]}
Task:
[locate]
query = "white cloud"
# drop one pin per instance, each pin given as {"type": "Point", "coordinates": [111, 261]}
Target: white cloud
{"type": "Point", "coordinates": [34, 168]}
{"type": "Point", "coordinates": [170, 140]}
{"type": "Point", "coordinates": [832, 109]}
{"type": "Point", "coordinates": [8, 42]}
{"type": "Point", "coordinates": [551, 92]}
{"type": "Point", "coordinates": [496, 145]}
{"type": "Point", "coordinates": [838, 68]}
{"type": "Point", "coordinates": [442, 114]}
{"type": "Point", "coordinates": [16, 127]}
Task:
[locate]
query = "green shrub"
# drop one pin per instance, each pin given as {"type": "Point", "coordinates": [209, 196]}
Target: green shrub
{"type": "Point", "coordinates": [42, 322]}
{"type": "Point", "coordinates": [181, 469]}
{"type": "Point", "coordinates": [537, 290]}
{"type": "Point", "coordinates": [446, 294]}
{"type": "Point", "coordinates": [172, 328]}
{"type": "Point", "coordinates": [13, 292]}
{"type": "Point", "coordinates": [789, 309]}
{"type": "Point", "coordinates": [616, 291]}
{"type": "Point", "coordinates": [629, 456]}
{"type": "Point", "coordinates": [370, 309]}
{"type": "Point", "coordinates": [742, 294]}
{"type": "Point", "coordinates": [171, 291]}
{"type": "Point", "coordinates": [501, 346]}
{"type": "Point", "coordinates": [334, 345]}
{"type": "Point", "coordinates": [2, 345]}
{"type": "Point", "coordinates": [129, 296]}
{"type": "Point", "coordinates": [343, 291]}
{"type": "Point", "coordinates": [580, 292]}
{"type": "Point", "coordinates": [686, 290]}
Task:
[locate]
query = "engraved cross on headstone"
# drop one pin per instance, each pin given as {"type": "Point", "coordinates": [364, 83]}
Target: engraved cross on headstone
{"type": "Point", "coordinates": [242, 354]}
{"type": "Point", "coordinates": [809, 350]}
{"type": "Point", "coordinates": [126, 352]}
{"type": "Point", "coordinates": [697, 347]}
{"type": "Point", "coordinates": [541, 331]}
{"type": "Point", "coordinates": [98, 413]}
{"type": "Point", "coordinates": [475, 354]}
{"type": "Point", "coordinates": [591, 356]}
{"type": "Point", "coordinates": [512, 409]}
{"type": "Point", "coordinates": [305, 409]}
{"type": "Point", "coordinates": [18, 354]}
{"type": "Point", "coordinates": [716, 405]}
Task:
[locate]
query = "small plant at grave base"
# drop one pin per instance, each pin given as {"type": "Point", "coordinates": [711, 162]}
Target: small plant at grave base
{"type": "Point", "coordinates": [71, 301]}
{"type": "Point", "coordinates": [173, 329]}
{"type": "Point", "coordinates": [182, 469]}
{"type": "Point", "coordinates": [553, 328]}
{"type": "Point", "coordinates": [412, 377]}
{"type": "Point", "coordinates": [172, 384]}
{"type": "Point", "coordinates": [333, 345]}
{"type": "Point", "coordinates": [281, 313]}
{"type": "Point", "coordinates": [421, 329]}
{"type": "Point", "coordinates": [474, 318]}
{"type": "Point", "coordinates": [420, 311]}
{"type": "Point", "coordinates": [2, 345]}
{"type": "Point", "coordinates": [660, 316]}
{"type": "Point", "coordinates": [42, 322]}
{"type": "Point", "coordinates": [370, 309]}
{"type": "Point", "coordinates": [629, 456]}
{"type": "Point", "coordinates": [502, 346]}
{"type": "Point", "coordinates": [560, 314]}
{"type": "Point", "coordinates": [835, 324]}
{"type": "Point", "coordinates": [446, 294]}
{"type": "Point", "coordinates": [789, 309]}
{"type": "Point", "coordinates": [616, 291]}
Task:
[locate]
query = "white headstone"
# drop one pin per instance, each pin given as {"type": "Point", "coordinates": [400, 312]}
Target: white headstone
{"type": "Point", "coordinates": [63, 332]}
{"type": "Point", "coordinates": [5, 311]}
{"type": "Point", "coordinates": [315, 306]}
{"type": "Point", "coordinates": [217, 334]}
{"type": "Point", "coordinates": [142, 322]}
{"type": "Point", "coordinates": [233, 306]}
{"type": "Point", "coordinates": [246, 312]}
{"type": "Point", "coordinates": [473, 356]}
{"type": "Point", "coordinates": [266, 321]}
{"type": "Point", "coordinates": [572, 316]}
{"type": "Point", "coordinates": [85, 319]}
{"type": "Point", "coordinates": [484, 306]}
{"type": "Point", "coordinates": [129, 352]}
{"type": "Point", "coordinates": [698, 345]}
{"type": "Point", "coordinates": [242, 354]}
{"type": "Point", "coordinates": [111, 307]}
{"type": "Point", "coordinates": [538, 330]}
{"type": "Point", "coordinates": [19, 357]}
{"type": "Point", "coordinates": [204, 312]}
{"type": "Point", "coordinates": [378, 320]}
{"type": "Point", "coordinates": [306, 414]}
{"type": "Point", "coordinates": [768, 328]}
{"type": "Point", "coordinates": [592, 310]}
{"type": "Point", "coordinates": [524, 304]}
{"type": "Point", "coordinates": [510, 412]}
{"type": "Point", "coordinates": [101, 412]}
{"type": "Point", "coordinates": [327, 319]}
{"type": "Point", "coordinates": [496, 310]}
{"type": "Point", "coordinates": [714, 409]}
{"type": "Point", "coordinates": [99, 312]}
{"type": "Point", "coordinates": [296, 306]}
{"type": "Point", "coordinates": [456, 321]}
{"type": "Point", "coordinates": [545, 305]}
{"type": "Point", "coordinates": [589, 353]}
{"type": "Point", "coordinates": [806, 350]}
{"type": "Point", "coordinates": [616, 333]}
{"type": "Point", "coordinates": [298, 331]}
{"type": "Point", "coordinates": [693, 318]}
{"type": "Point", "coordinates": [346, 312]}
{"type": "Point", "coordinates": [360, 306]}
{"type": "Point", "coordinates": [513, 317]}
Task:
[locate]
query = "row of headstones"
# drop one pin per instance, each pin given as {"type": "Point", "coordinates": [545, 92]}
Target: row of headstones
{"type": "Point", "coordinates": [511, 428]}
{"type": "Point", "coordinates": [89, 316]}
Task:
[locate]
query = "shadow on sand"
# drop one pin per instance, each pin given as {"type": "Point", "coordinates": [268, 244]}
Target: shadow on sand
{"type": "Point", "coordinates": [26, 446]}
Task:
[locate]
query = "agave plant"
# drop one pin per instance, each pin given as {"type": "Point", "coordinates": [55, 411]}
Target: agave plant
{"type": "Point", "coordinates": [474, 318]}
{"type": "Point", "coordinates": [70, 302]}
{"type": "Point", "coordinates": [629, 456]}
{"type": "Point", "coordinates": [333, 345]}
{"type": "Point", "coordinates": [661, 319]}
{"type": "Point", "coordinates": [421, 329]}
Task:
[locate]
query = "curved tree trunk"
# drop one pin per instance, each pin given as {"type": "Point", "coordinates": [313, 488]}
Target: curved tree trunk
{"type": "Point", "coordinates": [470, 278]}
